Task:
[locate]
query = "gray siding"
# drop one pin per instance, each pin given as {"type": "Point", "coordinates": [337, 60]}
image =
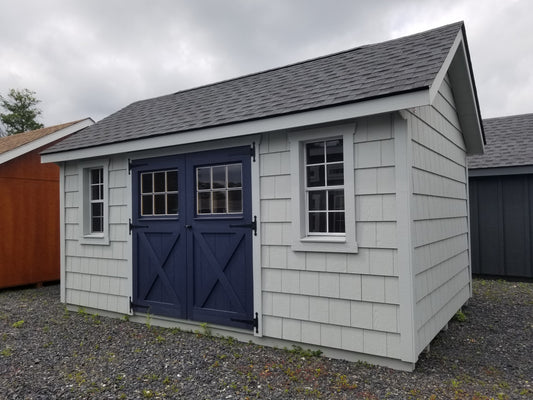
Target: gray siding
{"type": "Point", "coordinates": [440, 218]}
{"type": "Point", "coordinates": [98, 276]}
{"type": "Point", "coordinates": [345, 301]}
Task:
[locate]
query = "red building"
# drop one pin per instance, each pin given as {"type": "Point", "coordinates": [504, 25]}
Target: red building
{"type": "Point", "coordinates": [29, 202]}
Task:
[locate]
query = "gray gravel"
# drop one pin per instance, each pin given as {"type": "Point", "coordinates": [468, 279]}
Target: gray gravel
{"type": "Point", "coordinates": [47, 352]}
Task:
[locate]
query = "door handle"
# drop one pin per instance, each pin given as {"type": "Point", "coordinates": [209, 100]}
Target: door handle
{"type": "Point", "coordinates": [188, 226]}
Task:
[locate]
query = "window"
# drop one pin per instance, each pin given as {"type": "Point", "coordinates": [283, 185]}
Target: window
{"type": "Point", "coordinates": [93, 176]}
{"type": "Point", "coordinates": [324, 172]}
{"type": "Point", "coordinates": [96, 193]}
{"type": "Point", "coordinates": [159, 193]}
{"type": "Point", "coordinates": [322, 186]}
{"type": "Point", "coordinates": [219, 189]}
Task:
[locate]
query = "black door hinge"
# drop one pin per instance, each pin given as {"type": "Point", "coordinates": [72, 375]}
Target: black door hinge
{"type": "Point", "coordinates": [132, 226]}
{"type": "Point", "coordinates": [132, 304]}
{"type": "Point", "coordinates": [252, 225]}
{"type": "Point", "coordinates": [132, 164]}
{"type": "Point", "coordinates": [252, 151]}
{"type": "Point", "coordinates": [253, 322]}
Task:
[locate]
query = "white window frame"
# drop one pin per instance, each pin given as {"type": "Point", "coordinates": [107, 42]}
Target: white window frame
{"type": "Point", "coordinates": [302, 241]}
{"type": "Point", "coordinates": [84, 175]}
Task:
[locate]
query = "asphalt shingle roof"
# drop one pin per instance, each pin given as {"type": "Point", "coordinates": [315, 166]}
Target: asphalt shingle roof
{"type": "Point", "coordinates": [509, 143]}
{"type": "Point", "coordinates": [396, 66]}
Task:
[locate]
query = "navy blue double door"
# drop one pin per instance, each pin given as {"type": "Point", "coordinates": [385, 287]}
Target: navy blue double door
{"type": "Point", "coordinates": [192, 237]}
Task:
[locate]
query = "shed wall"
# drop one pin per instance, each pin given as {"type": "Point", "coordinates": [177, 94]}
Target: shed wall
{"type": "Point", "coordinates": [29, 200]}
{"type": "Point", "coordinates": [345, 301]}
{"type": "Point", "coordinates": [501, 209]}
{"type": "Point", "coordinates": [98, 276]}
{"type": "Point", "coordinates": [440, 216]}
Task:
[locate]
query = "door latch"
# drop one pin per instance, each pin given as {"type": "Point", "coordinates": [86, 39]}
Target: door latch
{"type": "Point", "coordinates": [252, 225]}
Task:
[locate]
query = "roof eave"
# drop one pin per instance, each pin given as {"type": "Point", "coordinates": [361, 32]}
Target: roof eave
{"type": "Point", "coordinates": [44, 140]}
{"type": "Point", "coordinates": [328, 115]}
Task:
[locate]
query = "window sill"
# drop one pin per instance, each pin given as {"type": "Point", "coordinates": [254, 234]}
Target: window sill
{"type": "Point", "coordinates": [325, 244]}
{"type": "Point", "coordinates": [95, 239]}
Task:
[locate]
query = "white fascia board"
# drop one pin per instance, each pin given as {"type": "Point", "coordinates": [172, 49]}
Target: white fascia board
{"type": "Point", "coordinates": [464, 94]}
{"type": "Point", "coordinates": [439, 78]}
{"type": "Point", "coordinates": [284, 122]}
{"type": "Point", "coordinates": [26, 148]}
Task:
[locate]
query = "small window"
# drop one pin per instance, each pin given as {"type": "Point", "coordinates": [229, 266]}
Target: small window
{"type": "Point", "coordinates": [94, 206]}
{"type": "Point", "coordinates": [96, 193]}
{"type": "Point", "coordinates": [159, 193]}
{"type": "Point", "coordinates": [324, 180]}
{"type": "Point", "coordinates": [219, 189]}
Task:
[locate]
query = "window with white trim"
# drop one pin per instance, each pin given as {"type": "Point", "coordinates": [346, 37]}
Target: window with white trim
{"type": "Point", "coordinates": [323, 193]}
{"type": "Point", "coordinates": [219, 189]}
{"type": "Point", "coordinates": [96, 194]}
{"type": "Point", "coordinates": [324, 181]}
{"type": "Point", "coordinates": [94, 202]}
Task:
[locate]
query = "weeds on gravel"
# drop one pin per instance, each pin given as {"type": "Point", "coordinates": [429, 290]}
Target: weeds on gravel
{"type": "Point", "coordinates": [460, 316]}
{"type": "Point", "coordinates": [6, 352]}
{"type": "Point", "coordinates": [18, 324]}
{"type": "Point", "coordinates": [300, 352]}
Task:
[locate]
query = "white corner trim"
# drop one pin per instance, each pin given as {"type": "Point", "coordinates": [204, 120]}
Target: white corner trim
{"type": "Point", "coordinates": [291, 121]}
{"type": "Point", "coordinates": [42, 141]}
{"type": "Point", "coordinates": [256, 240]}
{"type": "Point", "coordinates": [62, 243]}
{"type": "Point", "coordinates": [403, 154]}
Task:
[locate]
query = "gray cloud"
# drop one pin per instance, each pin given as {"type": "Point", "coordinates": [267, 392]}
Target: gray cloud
{"type": "Point", "coordinates": [91, 58]}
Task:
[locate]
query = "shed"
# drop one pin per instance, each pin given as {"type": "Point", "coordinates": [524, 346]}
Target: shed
{"type": "Point", "coordinates": [322, 204]}
{"type": "Point", "coordinates": [29, 200]}
{"type": "Point", "coordinates": [501, 193]}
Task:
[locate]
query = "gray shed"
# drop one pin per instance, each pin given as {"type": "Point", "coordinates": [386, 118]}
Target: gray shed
{"type": "Point", "coordinates": [322, 204]}
{"type": "Point", "coordinates": [501, 199]}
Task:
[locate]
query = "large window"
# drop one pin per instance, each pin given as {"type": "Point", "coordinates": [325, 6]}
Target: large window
{"type": "Point", "coordinates": [322, 188]}
{"type": "Point", "coordinates": [324, 177]}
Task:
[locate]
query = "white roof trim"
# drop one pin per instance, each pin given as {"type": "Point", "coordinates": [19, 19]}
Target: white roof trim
{"type": "Point", "coordinates": [439, 78]}
{"type": "Point", "coordinates": [291, 121]}
{"type": "Point", "coordinates": [42, 141]}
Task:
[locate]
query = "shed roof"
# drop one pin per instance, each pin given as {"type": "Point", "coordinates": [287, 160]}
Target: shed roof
{"type": "Point", "coordinates": [15, 145]}
{"type": "Point", "coordinates": [11, 142]}
{"type": "Point", "coordinates": [509, 143]}
{"type": "Point", "coordinates": [393, 67]}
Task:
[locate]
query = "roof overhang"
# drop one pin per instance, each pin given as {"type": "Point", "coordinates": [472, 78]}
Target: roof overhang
{"type": "Point", "coordinates": [459, 69]}
{"type": "Point", "coordinates": [312, 118]}
{"type": "Point", "coordinates": [499, 171]}
{"type": "Point", "coordinates": [43, 141]}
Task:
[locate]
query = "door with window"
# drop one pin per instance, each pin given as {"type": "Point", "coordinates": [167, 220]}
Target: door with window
{"type": "Point", "coordinates": [192, 233]}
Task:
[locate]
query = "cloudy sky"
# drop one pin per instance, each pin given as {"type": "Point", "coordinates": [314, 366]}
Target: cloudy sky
{"type": "Point", "coordinates": [90, 58]}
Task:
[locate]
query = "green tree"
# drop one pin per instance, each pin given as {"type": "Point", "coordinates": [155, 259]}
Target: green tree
{"type": "Point", "coordinates": [21, 107]}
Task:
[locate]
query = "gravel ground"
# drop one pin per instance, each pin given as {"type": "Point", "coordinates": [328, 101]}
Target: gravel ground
{"type": "Point", "coordinates": [48, 352]}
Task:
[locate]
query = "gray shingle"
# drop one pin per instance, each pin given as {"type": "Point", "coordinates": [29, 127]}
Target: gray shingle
{"type": "Point", "coordinates": [509, 143]}
{"type": "Point", "coordinates": [396, 66]}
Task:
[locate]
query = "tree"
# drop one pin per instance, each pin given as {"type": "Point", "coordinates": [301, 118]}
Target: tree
{"type": "Point", "coordinates": [21, 107]}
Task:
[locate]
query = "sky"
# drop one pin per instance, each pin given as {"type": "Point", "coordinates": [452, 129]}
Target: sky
{"type": "Point", "coordinates": [91, 58]}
